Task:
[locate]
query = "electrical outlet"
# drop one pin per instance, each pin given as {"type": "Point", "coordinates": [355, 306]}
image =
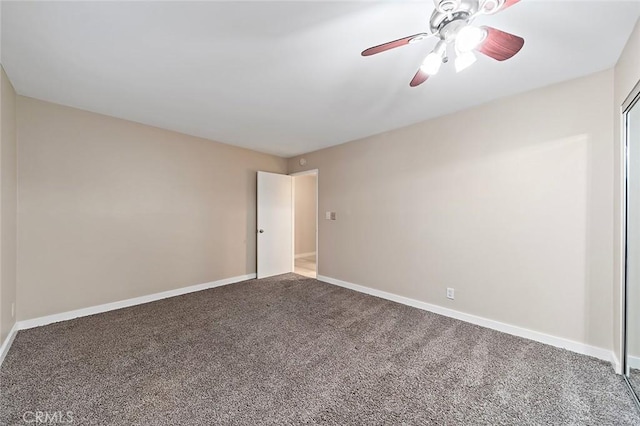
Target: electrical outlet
{"type": "Point", "coordinates": [13, 310]}
{"type": "Point", "coordinates": [450, 293]}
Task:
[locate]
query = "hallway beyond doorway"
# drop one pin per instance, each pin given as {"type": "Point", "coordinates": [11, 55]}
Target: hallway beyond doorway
{"type": "Point", "coordinates": [306, 266]}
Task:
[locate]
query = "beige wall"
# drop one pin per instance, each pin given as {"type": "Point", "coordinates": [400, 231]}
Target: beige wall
{"type": "Point", "coordinates": [110, 209]}
{"type": "Point", "coordinates": [8, 204]}
{"type": "Point", "coordinates": [508, 203]}
{"type": "Point", "coordinates": [305, 214]}
{"type": "Point", "coordinates": [626, 76]}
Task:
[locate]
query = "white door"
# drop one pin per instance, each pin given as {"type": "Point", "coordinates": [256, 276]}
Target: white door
{"type": "Point", "coordinates": [275, 224]}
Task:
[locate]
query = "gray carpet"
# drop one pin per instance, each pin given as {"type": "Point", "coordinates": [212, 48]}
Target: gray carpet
{"type": "Point", "coordinates": [292, 350]}
{"type": "Point", "coordinates": [634, 380]}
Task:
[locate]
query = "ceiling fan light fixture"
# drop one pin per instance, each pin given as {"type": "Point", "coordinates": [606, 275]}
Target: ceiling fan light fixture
{"type": "Point", "coordinates": [465, 60]}
{"type": "Point", "coordinates": [431, 64]}
{"type": "Point", "coordinates": [469, 37]}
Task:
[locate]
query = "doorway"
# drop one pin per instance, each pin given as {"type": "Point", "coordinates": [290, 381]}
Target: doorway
{"type": "Point", "coordinates": [305, 224]}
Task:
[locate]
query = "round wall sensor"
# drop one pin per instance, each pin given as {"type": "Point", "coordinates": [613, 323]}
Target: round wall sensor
{"type": "Point", "coordinates": [303, 161]}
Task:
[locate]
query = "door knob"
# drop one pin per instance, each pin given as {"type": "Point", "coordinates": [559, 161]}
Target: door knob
{"type": "Point", "coordinates": [261, 231]}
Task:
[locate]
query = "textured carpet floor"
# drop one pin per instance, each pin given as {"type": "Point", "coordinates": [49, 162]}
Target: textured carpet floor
{"type": "Point", "coordinates": [292, 350]}
{"type": "Point", "coordinates": [634, 380]}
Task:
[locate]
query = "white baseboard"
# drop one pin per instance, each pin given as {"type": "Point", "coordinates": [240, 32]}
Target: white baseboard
{"type": "Point", "coordinates": [473, 319]}
{"type": "Point", "coordinates": [4, 349]}
{"type": "Point", "coordinates": [299, 255]}
{"type": "Point", "coordinates": [64, 316]}
{"type": "Point", "coordinates": [633, 361]}
{"type": "Point", "coordinates": [548, 339]}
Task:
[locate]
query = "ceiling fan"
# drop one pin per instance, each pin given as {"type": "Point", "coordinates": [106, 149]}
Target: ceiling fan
{"type": "Point", "coordinates": [451, 22]}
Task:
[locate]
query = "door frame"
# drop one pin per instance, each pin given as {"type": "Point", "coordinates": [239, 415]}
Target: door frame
{"type": "Point", "coordinates": [633, 100]}
{"type": "Point", "coordinates": [293, 195]}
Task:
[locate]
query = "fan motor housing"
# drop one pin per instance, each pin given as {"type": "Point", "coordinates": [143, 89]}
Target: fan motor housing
{"type": "Point", "coordinates": [444, 14]}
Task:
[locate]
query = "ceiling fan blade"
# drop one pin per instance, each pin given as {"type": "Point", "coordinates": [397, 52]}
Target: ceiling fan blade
{"type": "Point", "coordinates": [419, 78]}
{"type": "Point", "coordinates": [393, 44]}
{"type": "Point", "coordinates": [508, 3]}
{"type": "Point", "coordinates": [500, 45]}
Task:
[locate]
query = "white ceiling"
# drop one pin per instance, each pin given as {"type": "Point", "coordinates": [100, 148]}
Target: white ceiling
{"type": "Point", "coordinates": [286, 77]}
